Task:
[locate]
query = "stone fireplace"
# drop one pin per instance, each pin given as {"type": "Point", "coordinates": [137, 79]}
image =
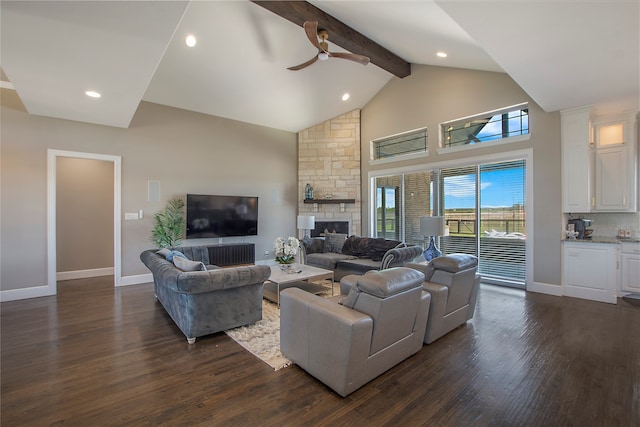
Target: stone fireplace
{"type": "Point", "coordinates": [329, 161]}
{"type": "Point", "coordinates": [324, 227]}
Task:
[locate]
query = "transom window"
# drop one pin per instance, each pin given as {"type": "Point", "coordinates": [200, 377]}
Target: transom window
{"type": "Point", "coordinates": [411, 142]}
{"type": "Point", "coordinates": [491, 126]}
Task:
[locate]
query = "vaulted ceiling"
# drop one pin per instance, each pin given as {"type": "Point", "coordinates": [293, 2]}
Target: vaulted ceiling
{"type": "Point", "coordinates": [563, 54]}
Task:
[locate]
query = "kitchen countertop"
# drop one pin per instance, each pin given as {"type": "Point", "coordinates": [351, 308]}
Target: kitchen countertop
{"type": "Point", "coordinates": [601, 239]}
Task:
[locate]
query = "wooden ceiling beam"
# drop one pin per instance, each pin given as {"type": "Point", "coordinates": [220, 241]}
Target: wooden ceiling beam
{"type": "Point", "coordinates": [339, 33]}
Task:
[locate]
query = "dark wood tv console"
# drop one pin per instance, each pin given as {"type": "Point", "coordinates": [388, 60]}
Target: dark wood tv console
{"type": "Point", "coordinates": [224, 255]}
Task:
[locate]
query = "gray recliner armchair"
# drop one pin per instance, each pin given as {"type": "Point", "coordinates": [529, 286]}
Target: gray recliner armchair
{"type": "Point", "coordinates": [453, 284]}
{"type": "Point", "coordinates": [346, 341]}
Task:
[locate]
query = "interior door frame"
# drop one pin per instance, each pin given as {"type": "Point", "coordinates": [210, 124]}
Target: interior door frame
{"type": "Point", "coordinates": [52, 157]}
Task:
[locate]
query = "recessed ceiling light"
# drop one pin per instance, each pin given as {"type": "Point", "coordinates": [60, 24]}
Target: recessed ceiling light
{"type": "Point", "coordinates": [190, 40]}
{"type": "Point", "coordinates": [441, 54]}
{"type": "Point", "coordinates": [93, 94]}
{"type": "Point", "coordinates": [345, 96]}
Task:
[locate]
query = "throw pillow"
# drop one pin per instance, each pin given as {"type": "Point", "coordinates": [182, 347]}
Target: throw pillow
{"type": "Point", "coordinates": [164, 252]}
{"type": "Point", "coordinates": [173, 254]}
{"type": "Point", "coordinates": [333, 242]}
{"type": "Point", "coordinates": [377, 247]}
{"type": "Point", "coordinates": [313, 245]}
{"type": "Point", "coordinates": [354, 246]}
{"type": "Point", "coordinates": [188, 265]}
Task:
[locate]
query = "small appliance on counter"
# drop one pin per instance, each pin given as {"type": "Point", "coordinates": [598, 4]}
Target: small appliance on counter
{"type": "Point", "coordinates": [580, 227]}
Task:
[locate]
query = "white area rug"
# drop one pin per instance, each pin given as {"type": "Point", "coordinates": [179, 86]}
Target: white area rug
{"type": "Point", "coordinates": [262, 339]}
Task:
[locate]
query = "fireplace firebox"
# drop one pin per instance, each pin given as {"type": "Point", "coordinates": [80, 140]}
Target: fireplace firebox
{"type": "Point", "coordinates": [324, 227]}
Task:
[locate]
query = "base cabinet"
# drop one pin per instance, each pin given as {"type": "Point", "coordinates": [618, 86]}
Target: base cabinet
{"type": "Point", "coordinates": [630, 267]}
{"type": "Point", "coordinates": [590, 271]}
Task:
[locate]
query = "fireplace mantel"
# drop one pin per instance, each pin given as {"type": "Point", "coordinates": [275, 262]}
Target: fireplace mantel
{"type": "Point", "coordinates": [332, 201]}
{"type": "Point", "coordinates": [340, 202]}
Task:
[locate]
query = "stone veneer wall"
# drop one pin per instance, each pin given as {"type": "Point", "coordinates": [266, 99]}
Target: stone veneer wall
{"type": "Point", "coordinates": [329, 160]}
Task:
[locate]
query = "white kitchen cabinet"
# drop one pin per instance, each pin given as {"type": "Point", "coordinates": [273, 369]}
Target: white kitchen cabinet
{"type": "Point", "coordinates": [613, 180]}
{"type": "Point", "coordinates": [590, 271]}
{"type": "Point", "coordinates": [615, 164]}
{"type": "Point", "coordinates": [577, 143]}
{"type": "Point", "coordinates": [630, 267]}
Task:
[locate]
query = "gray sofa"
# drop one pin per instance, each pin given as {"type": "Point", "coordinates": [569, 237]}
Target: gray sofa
{"type": "Point", "coordinates": [209, 299]}
{"type": "Point", "coordinates": [355, 254]}
{"type": "Point", "coordinates": [346, 342]}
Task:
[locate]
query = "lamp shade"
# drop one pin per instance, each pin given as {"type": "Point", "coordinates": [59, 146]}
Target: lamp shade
{"type": "Point", "coordinates": [306, 222]}
{"type": "Point", "coordinates": [433, 226]}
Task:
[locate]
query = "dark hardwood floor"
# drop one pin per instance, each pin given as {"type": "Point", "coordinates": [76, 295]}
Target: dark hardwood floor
{"type": "Point", "coordinates": [94, 356]}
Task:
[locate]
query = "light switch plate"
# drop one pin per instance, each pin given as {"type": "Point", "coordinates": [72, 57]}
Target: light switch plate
{"type": "Point", "coordinates": [130, 215]}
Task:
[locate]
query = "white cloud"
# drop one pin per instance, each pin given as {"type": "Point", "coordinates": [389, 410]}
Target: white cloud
{"type": "Point", "coordinates": [462, 186]}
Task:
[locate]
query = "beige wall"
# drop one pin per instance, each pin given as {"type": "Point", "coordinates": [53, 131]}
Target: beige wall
{"type": "Point", "coordinates": [187, 152]}
{"type": "Point", "coordinates": [84, 214]}
{"type": "Point", "coordinates": [432, 95]}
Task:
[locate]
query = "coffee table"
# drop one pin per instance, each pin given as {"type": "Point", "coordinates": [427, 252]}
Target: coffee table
{"type": "Point", "coordinates": [302, 278]}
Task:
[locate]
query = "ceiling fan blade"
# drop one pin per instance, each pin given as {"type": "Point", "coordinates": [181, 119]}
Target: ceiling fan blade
{"type": "Point", "coordinates": [311, 28]}
{"type": "Point", "coordinates": [306, 64]}
{"type": "Point", "coordinates": [350, 56]}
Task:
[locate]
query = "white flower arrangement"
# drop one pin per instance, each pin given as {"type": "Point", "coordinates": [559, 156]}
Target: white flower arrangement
{"type": "Point", "coordinates": [286, 250]}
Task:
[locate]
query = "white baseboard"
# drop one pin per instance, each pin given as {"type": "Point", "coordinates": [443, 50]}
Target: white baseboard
{"type": "Point", "coordinates": [136, 280]}
{"type": "Point", "coordinates": [545, 288]}
{"type": "Point", "coordinates": [25, 293]}
{"type": "Point", "coordinates": [84, 274]}
{"type": "Point", "coordinates": [43, 291]}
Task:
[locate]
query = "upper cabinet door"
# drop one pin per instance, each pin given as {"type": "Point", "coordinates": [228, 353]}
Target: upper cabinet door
{"type": "Point", "coordinates": [577, 160]}
{"type": "Point", "coordinates": [615, 164]}
{"type": "Point", "coordinates": [612, 192]}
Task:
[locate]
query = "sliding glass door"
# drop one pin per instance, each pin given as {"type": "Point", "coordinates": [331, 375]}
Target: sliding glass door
{"type": "Point", "coordinates": [502, 222]}
{"type": "Point", "coordinates": [458, 201]}
{"type": "Point", "coordinates": [400, 201]}
{"type": "Point", "coordinates": [483, 205]}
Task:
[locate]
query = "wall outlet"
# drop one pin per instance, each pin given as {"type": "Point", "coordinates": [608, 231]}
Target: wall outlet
{"type": "Point", "coordinates": [266, 253]}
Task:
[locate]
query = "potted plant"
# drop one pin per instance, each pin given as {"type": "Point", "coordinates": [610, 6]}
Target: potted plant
{"type": "Point", "coordinates": [170, 223]}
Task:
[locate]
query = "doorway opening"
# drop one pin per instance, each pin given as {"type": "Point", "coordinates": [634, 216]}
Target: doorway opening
{"type": "Point", "coordinates": [52, 186]}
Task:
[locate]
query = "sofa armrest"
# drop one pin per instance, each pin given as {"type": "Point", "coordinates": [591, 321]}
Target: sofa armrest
{"type": "Point", "coordinates": [474, 296]}
{"type": "Point", "coordinates": [326, 339]}
{"type": "Point", "coordinates": [397, 257]}
{"type": "Point", "coordinates": [439, 295]}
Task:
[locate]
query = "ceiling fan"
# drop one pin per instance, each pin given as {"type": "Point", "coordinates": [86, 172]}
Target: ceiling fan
{"type": "Point", "coordinates": [318, 38]}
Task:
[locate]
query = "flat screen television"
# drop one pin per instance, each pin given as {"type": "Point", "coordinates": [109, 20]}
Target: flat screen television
{"type": "Point", "coordinates": [221, 216]}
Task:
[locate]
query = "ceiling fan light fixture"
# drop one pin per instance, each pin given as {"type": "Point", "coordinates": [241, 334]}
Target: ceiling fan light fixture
{"type": "Point", "coordinates": [323, 56]}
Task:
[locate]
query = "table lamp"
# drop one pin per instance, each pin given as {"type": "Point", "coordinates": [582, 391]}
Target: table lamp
{"type": "Point", "coordinates": [433, 226]}
{"type": "Point", "coordinates": [306, 223]}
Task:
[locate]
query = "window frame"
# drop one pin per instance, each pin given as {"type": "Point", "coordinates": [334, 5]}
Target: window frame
{"type": "Point", "coordinates": [399, 157]}
{"type": "Point", "coordinates": [492, 143]}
